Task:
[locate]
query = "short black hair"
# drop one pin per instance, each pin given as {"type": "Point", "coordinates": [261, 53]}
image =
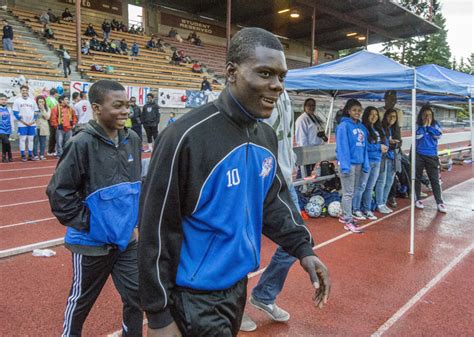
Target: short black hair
{"type": "Point", "coordinates": [24, 86]}
{"type": "Point", "coordinates": [82, 94]}
{"type": "Point", "coordinates": [100, 88]}
{"type": "Point", "coordinates": [150, 95]}
{"type": "Point", "coordinates": [53, 91]}
{"type": "Point", "coordinates": [243, 44]}
{"type": "Point", "coordinates": [61, 98]}
{"type": "Point", "coordinates": [389, 93]}
{"type": "Point", "coordinates": [75, 95]}
{"type": "Point", "coordinates": [3, 95]}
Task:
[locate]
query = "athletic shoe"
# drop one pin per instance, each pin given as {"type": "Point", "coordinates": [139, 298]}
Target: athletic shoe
{"type": "Point", "coordinates": [352, 227]}
{"type": "Point", "coordinates": [342, 220]}
{"type": "Point", "coordinates": [384, 209]}
{"type": "Point", "coordinates": [423, 195]}
{"type": "Point", "coordinates": [442, 208]}
{"type": "Point", "coordinates": [23, 158]}
{"type": "Point", "coordinates": [42, 158]}
{"type": "Point", "coordinates": [419, 204]}
{"type": "Point", "coordinates": [358, 215]}
{"type": "Point", "coordinates": [35, 158]}
{"type": "Point", "coordinates": [393, 203]}
{"type": "Point", "coordinates": [369, 215]}
{"type": "Point", "coordinates": [247, 324]}
{"type": "Point", "coordinates": [272, 310]}
{"type": "Point", "coordinates": [51, 154]}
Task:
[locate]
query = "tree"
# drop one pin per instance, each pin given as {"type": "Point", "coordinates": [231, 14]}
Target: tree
{"type": "Point", "coordinates": [470, 64]}
{"type": "Point", "coordinates": [426, 49]}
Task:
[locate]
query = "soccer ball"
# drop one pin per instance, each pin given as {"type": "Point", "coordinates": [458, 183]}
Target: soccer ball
{"type": "Point", "coordinates": [334, 209]}
{"type": "Point", "coordinates": [317, 199]}
{"type": "Point", "coordinates": [313, 209]}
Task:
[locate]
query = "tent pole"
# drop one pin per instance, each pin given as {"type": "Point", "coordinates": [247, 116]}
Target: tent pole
{"type": "Point", "coordinates": [327, 130]}
{"type": "Point", "coordinates": [472, 130]}
{"type": "Point", "coordinates": [413, 163]}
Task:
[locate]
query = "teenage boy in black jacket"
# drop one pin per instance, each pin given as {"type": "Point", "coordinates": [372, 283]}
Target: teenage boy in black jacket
{"type": "Point", "coordinates": [95, 193]}
{"type": "Point", "coordinates": [150, 118]}
{"type": "Point", "coordinates": [213, 187]}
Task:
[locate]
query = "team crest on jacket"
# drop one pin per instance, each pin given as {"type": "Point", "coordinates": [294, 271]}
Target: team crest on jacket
{"type": "Point", "coordinates": [267, 166]}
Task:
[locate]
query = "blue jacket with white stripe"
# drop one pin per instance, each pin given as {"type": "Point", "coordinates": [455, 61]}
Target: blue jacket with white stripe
{"type": "Point", "coordinates": [95, 189]}
{"type": "Point", "coordinates": [427, 139]}
{"type": "Point", "coordinates": [213, 187]}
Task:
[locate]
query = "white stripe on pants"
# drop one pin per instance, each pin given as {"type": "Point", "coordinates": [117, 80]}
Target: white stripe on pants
{"type": "Point", "coordinates": [75, 294]}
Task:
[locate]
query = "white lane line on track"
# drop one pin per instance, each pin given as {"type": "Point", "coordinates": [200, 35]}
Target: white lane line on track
{"type": "Point", "coordinates": [30, 222]}
{"type": "Point", "coordinates": [415, 299]}
{"type": "Point", "coordinates": [22, 188]}
{"type": "Point", "coordinates": [28, 169]}
{"type": "Point", "coordinates": [24, 203]}
{"type": "Point", "coordinates": [31, 247]}
{"type": "Point", "coordinates": [27, 177]}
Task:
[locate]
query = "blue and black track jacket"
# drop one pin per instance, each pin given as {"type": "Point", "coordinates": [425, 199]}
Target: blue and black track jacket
{"type": "Point", "coordinates": [427, 139]}
{"type": "Point", "coordinates": [213, 187]}
{"type": "Point", "coordinates": [95, 189]}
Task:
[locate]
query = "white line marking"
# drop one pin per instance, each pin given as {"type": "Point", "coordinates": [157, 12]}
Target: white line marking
{"type": "Point", "coordinates": [39, 176]}
{"type": "Point", "coordinates": [388, 324]}
{"type": "Point", "coordinates": [22, 188]}
{"type": "Point", "coordinates": [30, 222]}
{"type": "Point", "coordinates": [31, 247]}
{"type": "Point", "coordinates": [28, 169]}
{"type": "Point", "coordinates": [24, 203]}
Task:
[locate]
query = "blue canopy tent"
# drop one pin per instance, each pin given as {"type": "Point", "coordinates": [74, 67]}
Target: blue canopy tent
{"type": "Point", "coordinates": [367, 72]}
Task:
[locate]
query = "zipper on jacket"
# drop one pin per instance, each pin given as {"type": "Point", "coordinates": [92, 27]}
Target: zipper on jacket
{"type": "Point", "coordinates": [246, 198]}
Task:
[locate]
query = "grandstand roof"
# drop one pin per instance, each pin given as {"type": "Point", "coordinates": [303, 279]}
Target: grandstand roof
{"type": "Point", "coordinates": [385, 19]}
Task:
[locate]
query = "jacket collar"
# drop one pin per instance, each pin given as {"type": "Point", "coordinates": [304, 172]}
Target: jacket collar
{"type": "Point", "coordinates": [231, 107]}
{"type": "Point", "coordinates": [96, 130]}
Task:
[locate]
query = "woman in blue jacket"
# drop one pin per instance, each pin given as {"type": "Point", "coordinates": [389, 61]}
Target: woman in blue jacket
{"type": "Point", "coordinates": [376, 146]}
{"type": "Point", "coordinates": [388, 165]}
{"type": "Point", "coordinates": [427, 134]}
{"type": "Point", "coordinates": [352, 158]}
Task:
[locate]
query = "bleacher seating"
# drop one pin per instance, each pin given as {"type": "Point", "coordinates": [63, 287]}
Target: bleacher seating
{"type": "Point", "coordinates": [151, 68]}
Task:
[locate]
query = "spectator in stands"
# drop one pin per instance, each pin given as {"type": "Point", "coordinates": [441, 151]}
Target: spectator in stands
{"type": "Point", "coordinates": [187, 288]}
{"type": "Point", "coordinates": [123, 27]}
{"type": "Point", "coordinates": [183, 57]}
{"type": "Point", "coordinates": [135, 50]}
{"type": "Point", "coordinates": [151, 43]}
{"type": "Point", "coordinates": [65, 58]}
{"type": "Point", "coordinates": [90, 31]}
{"type": "Point", "coordinates": [175, 58]}
{"type": "Point", "coordinates": [95, 191]}
{"type": "Point", "coordinates": [44, 18]}
{"type": "Point", "coordinates": [351, 154]}
{"type": "Point", "coordinates": [132, 30]}
{"type": "Point", "coordinates": [150, 118]}
{"type": "Point", "coordinates": [135, 116]}
{"type": "Point", "coordinates": [42, 129]}
{"type": "Point", "coordinates": [114, 24]}
{"type": "Point", "coordinates": [106, 27]}
{"type": "Point", "coordinates": [6, 129]}
{"type": "Point", "coordinates": [75, 98]}
{"type": "Point", "coordinates": [196, 67]}
{"type": "Point", "coordinates": [7, 38]}
{"type": "Point", "coordinates": [159, 45]}
{"type": "Point", "coordinates": [376, 147]}
{"type": "Point", "coordinates": [388, 167]}
{"type": "Point", "coordinates": [95, 45]}
{"type": "Point", "coordinates": [67, 16]}
{"type": "Point", "coordinates": [48, 32]}
{"type": "Point", "coordinates": [172, 33]}
{"type": "Point", "coordinates": [140, 30]}
{"type": "Point", "coordinates": [26, 112]}
{"type": "Point", "coordinates": [191, 37]}
{"type": "Point", "coordinates": [123, 47]}
{"type": "Point", "coordinates": [63, 119]}
{"type": "Point", "coordinates": [428, 133]}
{"type": "Point", "coordinates": [115, 46]}
{"type": "Point", "coordinates": [309, 129]}
{"type": "Point", "coordinates": [105, 46]}
{"type": "Point", "coordinates": [198, 41]}
{"type": "Point", "coordinates": [205, 85]}
{"type": "Point", "coordinates": [83, 110]}
{"type": "Point", "coordinates": [172, 118]}
{"type": "Point", "coordinates": [85, 47]}
{"type": "Point", "coordinates": [51, 102]}
{"type": "Point", "coordinates": [52, 17]}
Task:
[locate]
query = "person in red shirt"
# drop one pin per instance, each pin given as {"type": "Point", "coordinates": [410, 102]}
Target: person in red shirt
{"type": "Point", "coordinates": [63, 119]}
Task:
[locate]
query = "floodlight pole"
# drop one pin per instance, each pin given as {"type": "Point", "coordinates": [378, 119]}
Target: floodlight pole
{"type": "Point", "coordinates": [78, 34]}
{"type": "Point", "coordinates": [313, 35]}
{"type": "Point", "coordinates": [413, 163]}
{"type": "Point", "coordinates": [472, 130]}
{"type": "Point", "coordinates": [228, 19]}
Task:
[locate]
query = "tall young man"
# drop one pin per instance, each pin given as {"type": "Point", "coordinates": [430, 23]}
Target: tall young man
{"type": "Point", "coordinates": [83, 110]}
{"type": "Point", "coordinates": [213, 187]}
{"type": "Point", "coordinates": [26, 112]}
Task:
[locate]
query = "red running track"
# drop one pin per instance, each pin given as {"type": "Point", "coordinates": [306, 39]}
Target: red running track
{"type": "Point", "coordinates": [373, 276]}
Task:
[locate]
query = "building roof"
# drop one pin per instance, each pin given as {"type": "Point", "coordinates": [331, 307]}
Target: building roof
{"type": "Point", "coordinates": [384, 19]}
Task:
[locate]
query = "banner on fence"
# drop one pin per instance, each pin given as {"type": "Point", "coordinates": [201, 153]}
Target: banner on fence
{"type": "Point", "coordinates": [138, 92]}
{"type": "Point", "coordinates": [10, 86]}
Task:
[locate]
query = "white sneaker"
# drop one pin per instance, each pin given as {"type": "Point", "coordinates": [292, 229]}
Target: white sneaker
{"type": "Point", "coordinates": [276, 313]}
{"type": "Point", "coordinates": [442, 208]}
{"type": "Point", "coordinates": [419, 204]}
{"type": "Point", "coordinates": [358, 215]}
{"type": "Point", "coordinates": [384, 209]}
{"type": "Point", "coordinates": [247, 324]}
{"type": "Point", "coordinates": [423, 195]}
{"type": "Point", "coordinates": [371, 216]}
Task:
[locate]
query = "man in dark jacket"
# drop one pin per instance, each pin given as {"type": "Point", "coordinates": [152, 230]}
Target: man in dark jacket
{"type": "Point", "coordinates": [150, 120]}
{"type": "Point", "coordinates": [7, 38]}
{"type": "Point", "coordinates": [213, 188]}
{"type": "Point", "coordinates": [95, 192]}
{"type": "Point", "coordinates": [135, 116]}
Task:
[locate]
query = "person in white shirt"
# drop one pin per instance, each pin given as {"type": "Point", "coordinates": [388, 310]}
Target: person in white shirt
{"type": "Point", "coordinates": [83, 110]}
{"type": "Point", "coordinates": [309, 129]}
{"type": "Point", "coordinates": [26, 112]}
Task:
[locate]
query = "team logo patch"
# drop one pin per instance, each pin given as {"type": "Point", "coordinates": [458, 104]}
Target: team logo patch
{"type": "Point", "coordinates": [267, 166]}
{"type": "Point", "coordinates": [130, 158]}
